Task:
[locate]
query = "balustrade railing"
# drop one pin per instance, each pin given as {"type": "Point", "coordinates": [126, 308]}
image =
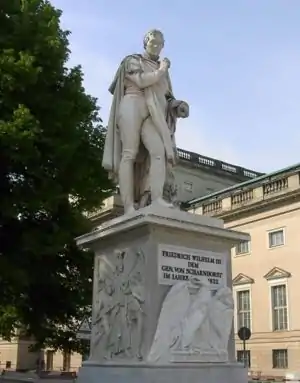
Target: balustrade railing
{"type": "Point", "coordinates": [198, 159]}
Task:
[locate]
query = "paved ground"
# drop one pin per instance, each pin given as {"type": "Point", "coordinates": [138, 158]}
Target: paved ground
{"type": "Point", "coordinates": [37, 380]}
{"type": "Point", "coordinates": [18, 377]}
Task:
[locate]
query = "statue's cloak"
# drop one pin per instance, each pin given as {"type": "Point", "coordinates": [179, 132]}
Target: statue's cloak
{"type": "Point", "coordinates": [113, 146]}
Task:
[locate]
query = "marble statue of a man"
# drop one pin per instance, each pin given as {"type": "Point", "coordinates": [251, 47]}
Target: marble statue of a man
{"type": "Point", "coordinates": [140, 142]}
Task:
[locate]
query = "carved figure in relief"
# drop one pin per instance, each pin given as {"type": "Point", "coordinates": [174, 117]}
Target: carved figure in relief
{"type": "Point", "coordinates": [223, 307]}
{"type": "Point", "coordinates": [104, 315]}
{"type": "Point", "coordinates": [140, 144]}
{"type": "Point", "coordinates": [193, 321]}
{"type": "Point", "coordinates": [120, 315]}
{"type": "Point", "coordinates": [135, 313]}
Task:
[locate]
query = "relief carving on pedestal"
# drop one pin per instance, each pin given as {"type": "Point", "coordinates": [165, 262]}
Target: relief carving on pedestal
{"type": "Point", "coordinates": [118, 306]}
{"type": "Point", "coordinates": [194, 324]}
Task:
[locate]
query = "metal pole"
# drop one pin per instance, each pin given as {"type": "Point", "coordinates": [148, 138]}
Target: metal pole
{"type": "Point", "coordinates": [244, 352]}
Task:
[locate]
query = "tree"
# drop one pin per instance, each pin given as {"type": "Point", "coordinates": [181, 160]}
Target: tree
{"type": "Point", "coordinates": [51, 142]}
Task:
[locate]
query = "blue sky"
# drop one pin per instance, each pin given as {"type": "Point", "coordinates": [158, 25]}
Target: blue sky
{"type": "Point", "coordinates": [237, 63]}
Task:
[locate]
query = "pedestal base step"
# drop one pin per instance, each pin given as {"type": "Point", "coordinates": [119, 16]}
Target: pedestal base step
{"type": "Point", "coordinates": [199, 357]}
{"type": "Point", "coordinates": [179, 373]}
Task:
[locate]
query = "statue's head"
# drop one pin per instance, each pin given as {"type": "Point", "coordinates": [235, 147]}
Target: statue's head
{"type": "Point", "coordinates": [154, 42]}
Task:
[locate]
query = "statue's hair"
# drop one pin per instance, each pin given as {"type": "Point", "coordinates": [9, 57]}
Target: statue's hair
{"type": "Point", "coordinates": [153, 32]}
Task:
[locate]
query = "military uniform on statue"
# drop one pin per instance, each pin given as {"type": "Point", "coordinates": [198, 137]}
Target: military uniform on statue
{"type": "Point", "coordinates": [140, 141]}
{"type": "Point", "coordinates": [162, 299]}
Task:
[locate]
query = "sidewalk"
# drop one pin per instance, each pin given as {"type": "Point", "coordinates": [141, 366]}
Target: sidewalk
{"type": "Point", "coordinates": [28, 377]}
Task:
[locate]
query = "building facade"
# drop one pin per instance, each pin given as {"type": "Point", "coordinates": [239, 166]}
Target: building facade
{"type": "Point", "coordinates": [266, 270]}
{"type": "Point", "coordinates": [197, 175]}
{"type": "Point", "coordinates": [15, 356]}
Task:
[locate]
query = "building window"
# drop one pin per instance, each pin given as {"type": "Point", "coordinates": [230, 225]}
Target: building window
{"type": "Point", "coordinates": [276, 238]}
{"type": "Point", "coordinates": [243, 309]}
{"type": "Point", "coordinates": [66, 361]}
{"type": "Point", "coordinates": [242, 248]}
{"type": "Point", "coordinates": [188, 186]}
{"type": "Point", "coordinates": [244, 357]}
{"type": "Point", "coordinates": [279, 307]}
{"type": "Point", "coordinates": [49, 360]}
{"type": "Point", "coordinates": [8, 364]}
{"type": "Point", "coordinates": [280, 358]}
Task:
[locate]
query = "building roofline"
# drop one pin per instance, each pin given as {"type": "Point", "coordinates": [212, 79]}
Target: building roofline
{"type": "Point", "coordinates": [254, 181]}
{"type": "Point", "coordinates": [212, 164]}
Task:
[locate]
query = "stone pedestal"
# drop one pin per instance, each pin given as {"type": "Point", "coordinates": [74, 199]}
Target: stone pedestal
{"type": "Point", "coordinates": [138, 258]}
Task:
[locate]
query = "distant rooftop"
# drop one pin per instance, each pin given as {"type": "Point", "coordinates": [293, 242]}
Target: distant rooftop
{"type": "Point", "coordinates": [252, 183]}
{"type": "Point", "coordinates": [209, 163]}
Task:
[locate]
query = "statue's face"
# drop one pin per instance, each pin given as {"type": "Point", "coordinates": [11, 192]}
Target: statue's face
{"type": "Point", "coordinates": [154, 45]}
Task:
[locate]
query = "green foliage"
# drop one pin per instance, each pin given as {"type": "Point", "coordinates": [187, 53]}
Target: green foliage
{"type": "Point", "coordinates": [51, 142]}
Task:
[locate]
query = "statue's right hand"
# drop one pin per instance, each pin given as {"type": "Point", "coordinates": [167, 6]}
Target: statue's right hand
{"type": "Point", "coordinates": [165, 64]}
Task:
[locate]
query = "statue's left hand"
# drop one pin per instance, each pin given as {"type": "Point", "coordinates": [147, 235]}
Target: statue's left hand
{"type": "Point", "coordinates": [183, 110]}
